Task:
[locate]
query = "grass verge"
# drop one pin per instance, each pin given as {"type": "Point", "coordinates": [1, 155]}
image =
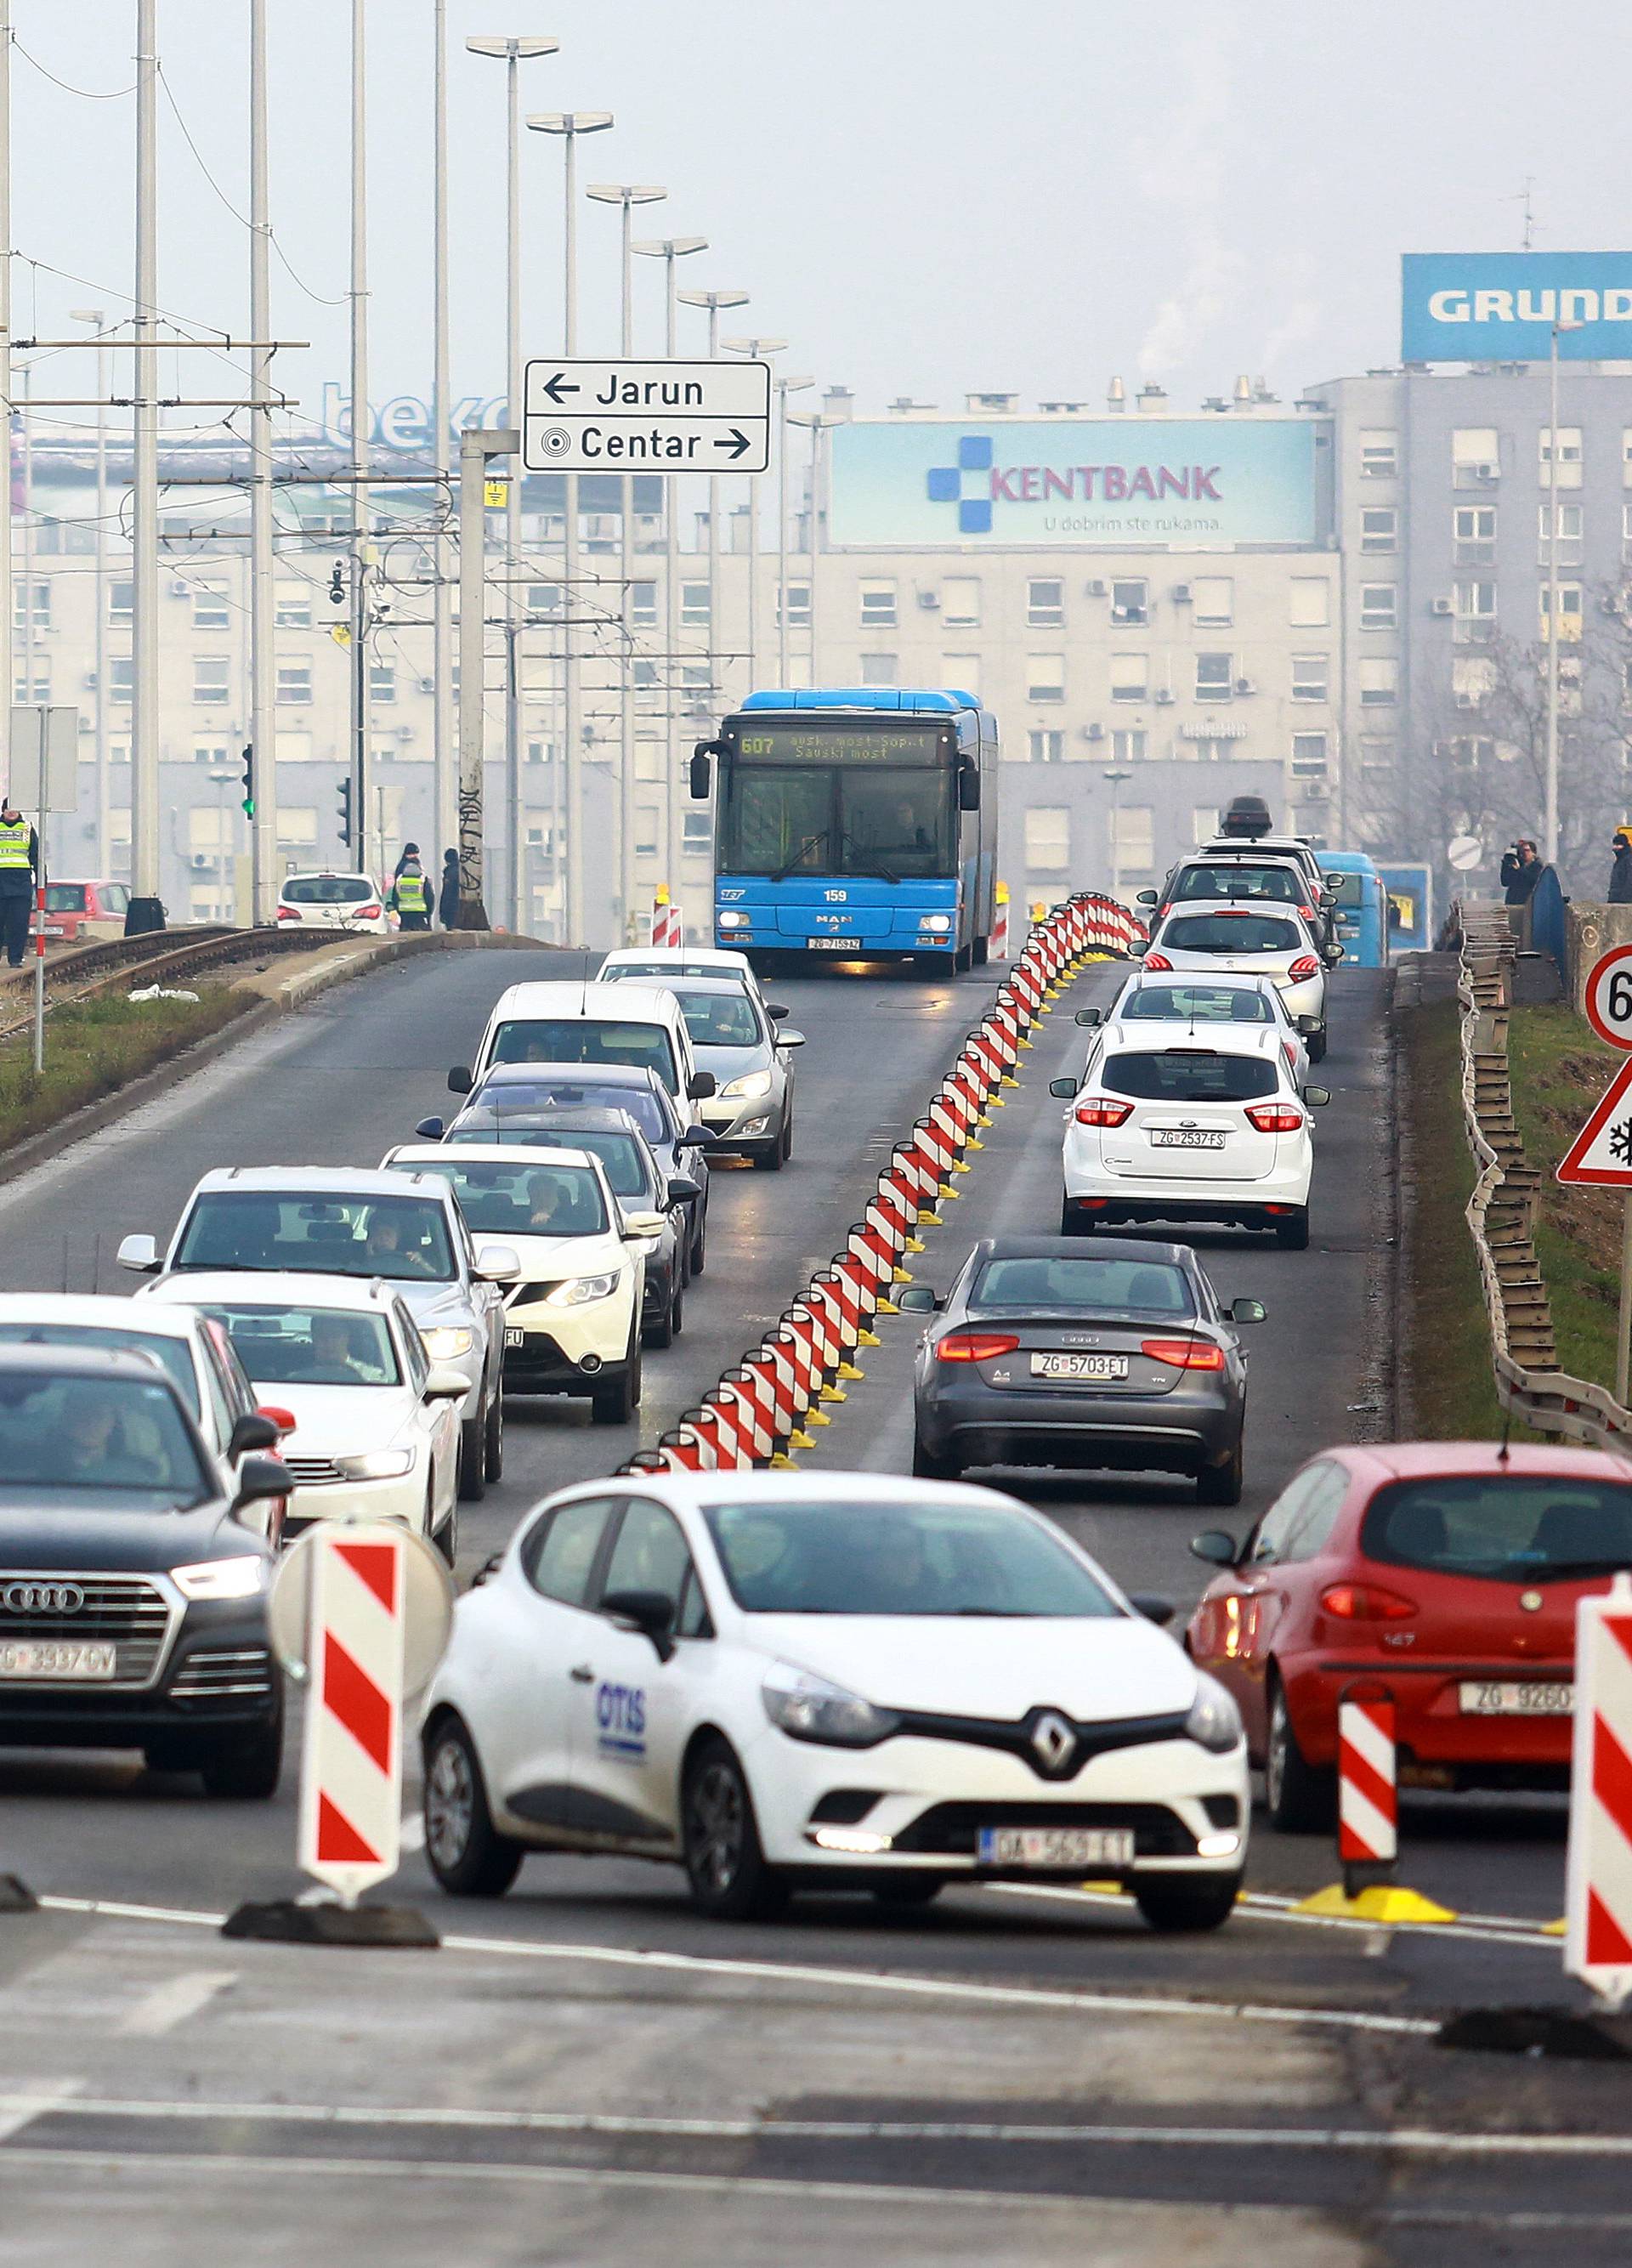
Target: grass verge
{"type": "Point", "coordinates": [1453, 1392]}
{"type": "Point", "coordinates": [100, 1045]}
{"type": "Point", "coordinates": [1559, 1070]}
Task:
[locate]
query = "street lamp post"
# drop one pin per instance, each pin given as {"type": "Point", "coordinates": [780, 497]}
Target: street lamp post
{"type": "Point", "coordinates": [445, 789]}
{"type": "Point", "coordinates": [784, 388]}
{"type": "Point", "coordinates": [513, 52]}
{"type": "Point", "coordinates": [262, 799]}
{"type": "Point", "coordinates": [221, 781]}
{"type": "Point", "coordinates": [1116, 781]}
{"type": "Point", "coordinates": [97, 318]}
{"type": "Point", "coordinates": [755, 349]}
{"type": "Point", "coordinates": [361, 434]}
{"type": "Point", "coordinates": [568, 813]}
{"type": "Point", "coordinates": [147, 911]}
{"type": "Point", "coordinates": [714, 301]}
{"type": "Point", "coordinates": [669, 249]}
{"type": "Point", "coordinates": [626, 196]}
{"type": "Point", "coordinates": [1549, 817]}
{"type": "Point", "coordinates": [818, 423]}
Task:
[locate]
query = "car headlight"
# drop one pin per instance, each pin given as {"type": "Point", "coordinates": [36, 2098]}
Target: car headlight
{"type": "Point", "coordinates": [577, 1289]}
{"type": "Point", "coordinates": [1214, 1721]}
{"type": "Point", "coordinates": [448, 1339]}
{"type": "Point", "coordinates": [751, 1083]}
{"type": "Point", "coordinates": [939, 923]}
{"type": "Point", "coordinates": [808, 1708]}
{"type": "Point", "coordinates": [222, 1579]}
{"type": "Point", "coordinates": [732, 921]}
{"type": "Point", "coordinates": [376, 1465]}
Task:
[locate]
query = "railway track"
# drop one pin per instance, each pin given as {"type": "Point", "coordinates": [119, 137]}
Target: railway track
{"type": "Point", "coordinates": [154, 956]}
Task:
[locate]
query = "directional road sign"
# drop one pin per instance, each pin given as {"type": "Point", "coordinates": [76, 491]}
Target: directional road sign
{"type": "Point", "coordinates": [1608, 996]}
{"type": "Point", "coordinates": [646, 416]}
{"type": "Point", "coordinates": [1601, 1154]}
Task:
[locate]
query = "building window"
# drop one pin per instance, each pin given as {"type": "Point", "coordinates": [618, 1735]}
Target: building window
{"type": "Point", "coordinates": [1473, 676]}
{"type": "Point", "coordinates": [1379, 530]}
{"type": "Point", "coordinates": [1379, 678]}
{"type": "Point", "coordinates": [211, 607]}
{"type": "Point", "coordinates": [644, 606]}
{"type": "Point", "coordinates": [1133, 831]}
{"type": "Point", "coordinates": [961, 670]}
{"type": "Point", "coordinates": [292, 607]}
{"type": "Point", "coordinates": [544, 601]}
{"type": "Point", "coordinates": [694, 606]}
{"type": "Point", "coordinates": [1473, 534]}
{"type": "Point", "coordinates": [1215, 676]}
{"type": "Point", "coordinates": [382, 684]}
{"type": "Point", "coordinates": [1474, 605]}
{"type": "Point", "coordinates": [1309, 754]}
{"type": "Point", "coordinates": [1380, 606]}
{"type": "Point", "coordinates": [1376, 756]}
{"type": "Point", "coordinates": [1045, 603]}
{"type": "Point", "coordinates": [878, 669]}
{"type": "Point", "coordinates": [1045, 677]}
{"type": "Point", "coordinates": [1130, 603]}
{"type": "Point", "coordinates": [41, 689]}
{"type": "Point", "coordinates": [1047, 840]}
{"type": "Point", "coordinates": [648, 827]}
{"type": "Point", "coordinates": [877, 606]}
{"type": "Point", "coordinates": [1379, 454]}
{"type": "Point", "coordinates": [1209, 749]}
{"type": "Point", "coordinates": [120, 677]}
{"type": "Point", "coordinates": [1567, 473]}
{"type": "Point", "coordinates": [1046, 747]}
{"type": "Point", "coordinates": [797, 599]}
{"type": "Point", "coordinates": [1130, 676]}
{"type": "Point", "coordinates": [20, 607]}
{"type": "Point", "coordinates": [1569, 534]}
{"type": "Point", "coordinates": [1569, 611]}
{"type": "Point", "coordinates": [1311, 602]}
{"type": "Point", "coordinates": [120, 605]}
{"type": "Point", "coordinates": [1475, 457]}
{"type": "Point", "coordinates": [1212, 601]}
{"type": "Point", "coordinates": [697, 831]}
{"type": "Point", "coordinates": [961, 602]}
{"type": "Point", "coordinates": [1310, 672]}
{"type": "Point", "coordinates": [1127, 746]}
{"type": "Point", "coordinates": [209, 752]}
{"type": "Point", "coordinates": [294, 684]}
{"type": "Point", "coordinates": [212, 681]}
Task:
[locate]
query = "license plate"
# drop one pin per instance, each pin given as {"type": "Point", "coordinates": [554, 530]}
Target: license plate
{"type": "Point", "coordinates": [1502, 1697]}
{"type": "Point", "coordinates": [1079, 1365]}
{"type": "Point", "coordinates": [1185, 1138]}
{"type": "Point", "coordinates": [1054, 1846]}
{"type": "Point", "coordinates": [831, 944]}
{"type": "Point", "coordinates": [514, 1336]}
{"type": "Point", "coordinates": [45, 1658]}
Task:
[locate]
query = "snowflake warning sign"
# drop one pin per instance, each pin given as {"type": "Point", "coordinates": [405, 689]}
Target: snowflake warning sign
{"type": "Point", "coordinates": [1601, 1154]}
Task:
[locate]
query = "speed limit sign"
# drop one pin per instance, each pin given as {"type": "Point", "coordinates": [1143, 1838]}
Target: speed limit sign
{"type": "Point", "coordinates": [1609, 997]}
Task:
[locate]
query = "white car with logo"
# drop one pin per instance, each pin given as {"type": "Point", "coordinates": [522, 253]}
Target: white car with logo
{"type": "Point", "coordinates": [1168, 1125]}
{"type": "Point", "coordinates": [1197, 1004]}
{"type": "Point", "coordinates": [840, 1682]}
{"type": "Point", "coordinates": [1253, 940]}
{"type": "Point", "coordinates": [376, 1433]}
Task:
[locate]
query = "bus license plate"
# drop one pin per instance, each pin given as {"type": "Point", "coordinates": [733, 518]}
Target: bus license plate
{"type": "Point", "coordinates": [1079, 1365]}
{"type": "Point", "coordinates": [1185, 1138]}
{"type": "Point", "coordinates": [831, 944]}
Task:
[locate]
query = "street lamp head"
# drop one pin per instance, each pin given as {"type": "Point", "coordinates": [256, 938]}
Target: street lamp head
{"type": "Point", "coordinates": [715, 299]}
{"type": "Point", "coordinates": [793, 385]}
{"type": "Point", "coordinates": [754, 346]}
{"type": "Point", "coordinates": [511, 51]}
{"type": "Point", "coordinates": [671, 247]}
{"type": "Point", "coordinates": [625, 193]}
{"type": "Point", "coordinates": [97, 315]}
{"type": "Point", "coordinates": [569, 122]}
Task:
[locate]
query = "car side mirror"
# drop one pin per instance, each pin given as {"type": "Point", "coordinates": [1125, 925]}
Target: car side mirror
{"type": "Point", "coordinates": [1153, 1607]}
{"type": "Point", "coordinates": [1317, 1097]}
{"type": "Point", "coordinates": [259, 1479]}
{"type": "Point", "coordinates": [703, 1084]}
{"type": "Point", "coordinates": [638, 1227]}
{"type": "Point", "coordinates": [1146, 898]}
{"type": "Point", "coordinates": [139, 1254]}
{"type": "Point", "coordinates": [682, 1190]}
{"type": "Point", "coordinates": [776, 1014]}
{"type": "Point", "coordinates": [649, 1612]}
{"type": "Point", "coordinates": [917, 1299]}
{"type": "Point", "coordinates": [698, 1137]}
{"type": "Point", "coordinates": [252, 1432]}
{"type": "Point", "coordinates": [1217, 1547]}
{"type": "Point", "coordinates": [1090, 1016]}
{"type": "Point", "coordinates": [790, 1039]}
{"type": "Point", "coordinates": [1331, 892]}
{"type": "Point", "coordinates": [444, 1383]}
{"type": "Point", "coordinates": [1309, 1026]}
{"type": "Point", "coordinates": [460, 1080]}
{"type": "Point", "coordinates": [496, 1263]}
{"type": "Point", "coordinates": [1331, 954]}
{"type": "Point", "coordinates": [1064, 1090]}
{"type": "Point", "coordinates": [430, 1129]}
{"type": "Point", "coordinates": [1246, 1311]}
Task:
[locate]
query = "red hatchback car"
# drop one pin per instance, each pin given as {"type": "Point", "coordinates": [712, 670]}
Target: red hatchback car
{"type": "Point", "coordinates": [72, 907]}
{"type": "Point", "coordinates": [1449, 1570]}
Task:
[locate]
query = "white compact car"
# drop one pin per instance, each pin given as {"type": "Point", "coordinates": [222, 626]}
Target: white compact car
{"type": "Point", "coordinates": [325, 901]}
{"type": "Point", "coordinates": [834, 1681]}
{"type": "Point", "coordinates": [1252, 940]}
{"type": "Point", "coordinates": [376, 1418]}
{"type": "Point", "coordinates": [572, 1318]}
{"type": "Point", "coordinates": [1168, 1126]}
{"type": "Point", "coordinates": [1196, 1004]}
{"type": "Point", "coordinates": [739, 1041]}
{"type": "Point", "coordinates": [661, 964]}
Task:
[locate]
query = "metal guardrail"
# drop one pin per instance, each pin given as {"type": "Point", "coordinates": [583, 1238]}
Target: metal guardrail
{"type": "Point", "coordinates": [1501, 1212]}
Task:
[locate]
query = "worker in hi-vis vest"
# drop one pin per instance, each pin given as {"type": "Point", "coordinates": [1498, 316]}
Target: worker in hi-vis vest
{"type": "Point", "coordinates": [20, 864]}
{"type": "Point", "coordinates": [410, 896]}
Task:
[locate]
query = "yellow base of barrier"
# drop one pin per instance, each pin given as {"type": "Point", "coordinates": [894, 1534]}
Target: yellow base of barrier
{"type": "Point", "coordinates": [927, 1218]}
{"type": "Point", "coordinates": [834, 1393]}
{"type": "Point", "coordinates": [870, 1338]}
{"type": "Point", "coordinates": [801, 1441]}
{"type": "Point", "coordinates": [1380, 1902]}
{"type": "Point", "coordinates": [817, 1417]}
{"type": "Point", "coordinates": [849, 1373]}
{"type": "Point", "coordinates": [781, 1465]}
{"type": "Point", "coordinates": [1555, 1928]}
{"type": "Point", "coordinates": [887, 1307]}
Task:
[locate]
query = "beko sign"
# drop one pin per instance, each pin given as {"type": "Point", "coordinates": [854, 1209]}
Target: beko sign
{"type": "Point", "coordinates": [1501, 306]}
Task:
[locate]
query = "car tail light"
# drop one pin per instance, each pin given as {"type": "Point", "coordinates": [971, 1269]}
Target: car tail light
{"type": "Point", "coordinates": [1305, 964]}
{"type": "Point", "coordinates": [1100, 1110]}
{"type": "Point", "coordinates": [1275, 1117]}
{"type": "Point", "coordinates": [369, 913]}
{"type": "Point", "coordinates": [1290, 1053]}
{"type": "Point", "coordinates": [1307, 912]}
{"type": "Point", "coordinates": [1184, 1354]}
{"type": "Point", "coordinates": [1159, 962]}
{"type": "Point", "coordinates": [287, 913]}
{"type": "Point", "coordinates": [1366, 1603]}
{"type": "Point", "coordinates": [975, 1346]}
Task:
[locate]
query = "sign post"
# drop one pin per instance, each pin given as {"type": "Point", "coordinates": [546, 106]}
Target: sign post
{"type": "Point", "coordinates": [583, 417]}
{"type": "Point", "coordinates": [1601, 1156]}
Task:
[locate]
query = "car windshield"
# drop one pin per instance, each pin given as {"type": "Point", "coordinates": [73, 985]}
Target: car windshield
{"type": "Point", "coordinates": [1513, 1527]}
{"type": "Point", "coordinates": [405, 1239]}
{"type": "Point", "coordinates": [784, 1558]}
{"type": "Point", "coordinates": [1231, 932]}
{"type": "Point", "coordinates": [583, 1039]}
{"type": "Point", "coordinates": [1083, 1286]}
{"type": "Point", "coordinates": [312, 1346]}
{"type": "Point", "coordinates": [65, 897]}
{"type": "Point", "coordinates": [1231, 878]}
{"type": "Point", "coordinates": [720, 1019]}
{"type": "Point", "coordinates": [497, 1113]}
{"type": "Point", "coordinates": [619, 1154]}
{"type": "Point", "coordinates": [522, 1200]}
{"type": "Point", "coordinates": [174, 1355]}
{"type": "Point", "coordinates": [1189, 1075]}
{"type": "Point", "coordinates": [664, 972]}
{"type": "Point", "coordinates": [120, 1439]}
{"type": "Point", "coordinates": [1194, 1004]}
{"type": "Point", "coordinates": [327, 890]}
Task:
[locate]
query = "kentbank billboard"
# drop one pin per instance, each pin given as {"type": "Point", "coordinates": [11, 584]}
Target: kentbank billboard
{"type": "Point", "coordinates": [1501, 306]}
{"type": "Point", "coordinates": [1108, 480]}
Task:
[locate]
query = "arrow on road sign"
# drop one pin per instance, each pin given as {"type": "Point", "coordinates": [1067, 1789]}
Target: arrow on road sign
{"type": "Point", "coordinates": [738, 443]}
{"type": "Point", "coordinates": [556, 387]}
{"type": "Point", "coordinates": [1601, 1154]}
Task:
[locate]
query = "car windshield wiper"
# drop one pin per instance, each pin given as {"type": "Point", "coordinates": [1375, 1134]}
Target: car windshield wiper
{"type": "Point", "coordinates": [809, 843]}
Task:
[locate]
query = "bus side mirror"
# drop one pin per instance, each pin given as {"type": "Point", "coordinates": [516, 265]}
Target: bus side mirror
{"type": "Point", "coordinates": [968, 787]}
{"type": "Point", "coordinates": [701, 770]}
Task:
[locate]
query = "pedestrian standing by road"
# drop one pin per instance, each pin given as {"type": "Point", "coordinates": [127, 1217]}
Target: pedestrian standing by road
{"type": "Point", "coordinates": [410, 850]}
{"type": "Point", "coordinates": [1521, 871]}
{"type": "Point", "coordinates": [1620, 872]}
{"type": "Point", "coordinates": [19, 863]}
{"type": "Point", "coordinates": [410, 894]}
{"type": "Point", "coordinates": [447, 904]}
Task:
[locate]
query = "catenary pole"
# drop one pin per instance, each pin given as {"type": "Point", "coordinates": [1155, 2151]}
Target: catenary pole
{"type": "Point", "coordinates": [144, 648]}
{"type": "Point", "coordinates": [5, 383]}
{"type": "Point", "coordinates": [262, 662]}
{"type": "Point", "coordinates": [361, 434]}
{"type": "Point", "coordinates": [445, 789]}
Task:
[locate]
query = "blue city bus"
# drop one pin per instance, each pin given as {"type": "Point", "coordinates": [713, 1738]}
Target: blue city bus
{"type": "Point", "coordinates": [854, 820]}
{"type": "Point", "coordinates": [1361, 906]}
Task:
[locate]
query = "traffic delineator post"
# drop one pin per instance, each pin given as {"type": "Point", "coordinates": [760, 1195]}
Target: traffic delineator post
{"type": "Point", "coordinates": [1368, 1833]}
{"type": "Point", "coordinates": [668, 927]}
{"type": "Point", "coordinates": [1597, 1904]}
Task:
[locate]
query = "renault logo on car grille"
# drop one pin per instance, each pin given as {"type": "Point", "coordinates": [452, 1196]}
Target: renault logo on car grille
{"type": "Point", "coordinates": [41, 1598]}
{"type": "Point", "coordinates": [1053, 1744]}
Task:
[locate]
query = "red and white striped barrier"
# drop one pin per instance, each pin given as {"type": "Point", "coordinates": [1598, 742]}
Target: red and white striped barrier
{"type": "Point", "coordinates": [668, 927]}
{"type": "Point", "coordinates": [1597, 1908]}
{"type": "Point", "coordinates": [1368, 1834]}
{"type": "Point", "coordinates": [352, 1768]}
{"type": "Point", "coordinates": [997, 944]}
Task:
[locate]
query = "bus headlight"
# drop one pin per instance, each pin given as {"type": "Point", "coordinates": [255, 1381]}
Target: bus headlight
{"type": "Point", "coordinates": [939, 923]}
{"type": "Point", "coordinates": [732, 921]}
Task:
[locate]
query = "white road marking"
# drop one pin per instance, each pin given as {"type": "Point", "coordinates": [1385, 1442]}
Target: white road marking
{"type": "Point", "coordinates": [19, 2110]}
{"type": "Point", "coordinates": [1258, 1905]}
{"type": "Point", "coordinates": [172, 2003]}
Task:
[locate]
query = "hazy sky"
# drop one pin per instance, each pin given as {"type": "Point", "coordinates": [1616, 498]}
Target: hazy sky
{"type": "Point", "coordinates": [923, 196]}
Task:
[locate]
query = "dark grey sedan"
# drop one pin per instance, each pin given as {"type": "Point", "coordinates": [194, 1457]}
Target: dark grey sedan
{"type": "Point", "coordinates": [1044, 1354]}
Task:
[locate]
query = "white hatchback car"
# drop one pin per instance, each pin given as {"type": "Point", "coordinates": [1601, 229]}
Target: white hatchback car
{"type": "Point", "coordinates": [832, 1681]}
{"type": "Point", "coordinates": [1196, 1004]}
{"type": "Point", "coordinates": [327, 900]}
{"type": "Point", "coordinates": [1178, 1127]}
{"type": "Point", "coordinates": [1254, 941]}
{"type": "Point", "coordinates": [376, 1418]}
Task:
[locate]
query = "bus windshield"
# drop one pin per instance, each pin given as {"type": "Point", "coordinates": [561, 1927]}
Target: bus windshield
{"type": "Point", "coordinates": [838, 818]}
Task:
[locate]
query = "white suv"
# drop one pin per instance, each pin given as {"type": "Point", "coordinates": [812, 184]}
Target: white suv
{"type": "Point", "coordinates": [1207, 1126]}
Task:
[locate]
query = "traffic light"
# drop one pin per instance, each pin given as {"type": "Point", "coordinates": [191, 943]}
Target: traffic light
{"type": "Point", "coordinates": [249, 782]}
{"type": "Point", "coordinates": [337, 584]}
{"type": "Point", "coordinates": [345, 813]}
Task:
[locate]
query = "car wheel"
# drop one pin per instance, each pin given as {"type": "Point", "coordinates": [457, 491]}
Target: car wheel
{"type": "Point", "coordinates": [772, 1159]}
{"type": "Point", "coordinates": [677, 1313]}
{"type": "Point", "coordinates": [248, 1770]}
{"type": "Point", "coordinates": [1223, 1483]}
{"type": "Point", "coordinates": [1293, 1235]}
{"type": "Point", "coordinates": [700, 1242]}
{"type": "Point", "coordinates": [616, 1402]}
{"type": "Point", "coordinates": [1073, 1222]}
{"type": "Point", "coordinates": [907, 1890]}
{"type": "Point", "coordinates": [660, 1331]}
{"type": "Point", "coordinates": [724, 1863]}
{"type": "Point", "coordinates": [1194, 1902]}
{"type": "Point", "coordinates": [493, 1441]}
{"type": "Point", "coordinates": [1299, 1798]}
{"type": "Point", "coordinates": [928, 1467]}
{"type": "Point", "coordinates": [446, 1537]}
{"type": "Point", "coordinates": [473, 1455]}
{"type": "Point", "coordinates": [468, 1854]}
{"type": "Point", "coordinates": [1316, 1045]}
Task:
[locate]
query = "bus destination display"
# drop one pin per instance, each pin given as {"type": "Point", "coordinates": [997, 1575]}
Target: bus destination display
{"type": "Point", "coordinates": [838, 744]}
